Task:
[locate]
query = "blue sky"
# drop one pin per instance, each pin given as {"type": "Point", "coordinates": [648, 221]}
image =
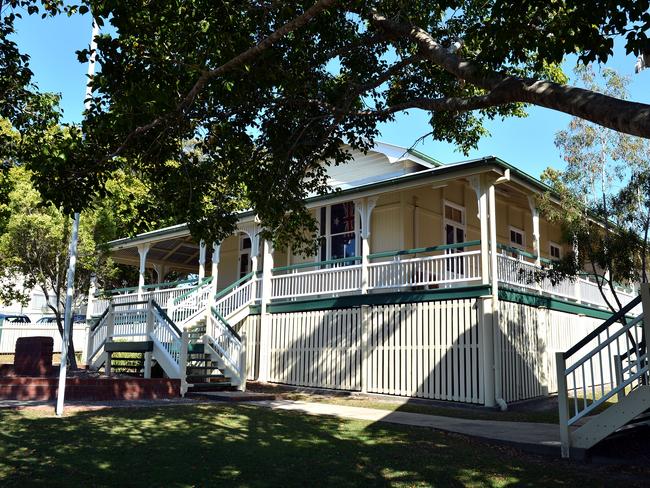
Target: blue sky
{"type": "Point", "coordinates": [526, 143]}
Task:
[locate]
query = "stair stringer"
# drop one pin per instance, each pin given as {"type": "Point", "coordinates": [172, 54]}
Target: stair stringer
{"type": "Point", "coordinates": [612, 419]}
{"type": "Point", "coordinates": [239, 315]}
{"type": "Point", "coordinates": [99, 360]}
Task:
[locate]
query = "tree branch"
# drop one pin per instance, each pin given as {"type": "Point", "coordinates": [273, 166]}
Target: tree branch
{"type": "Point", "coordinates": [249, 55]}
{"type": "Point", "coordinates": [623, 116]}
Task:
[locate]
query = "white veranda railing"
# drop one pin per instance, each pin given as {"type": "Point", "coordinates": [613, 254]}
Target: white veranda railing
{"type": "Point", "coordinates": [325, 277]}
{"type": "Point", "coordinates": [161, 293]}
{"type": "Point", "coordinates": [522, 274]}
{"type": "Point", "coordinates": [452, 267]}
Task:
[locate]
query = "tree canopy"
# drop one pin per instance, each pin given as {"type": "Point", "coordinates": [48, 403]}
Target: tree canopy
{"type": "Point", "coordinates": [230, 104]}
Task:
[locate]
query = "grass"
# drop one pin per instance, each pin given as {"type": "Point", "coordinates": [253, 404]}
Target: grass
{"type": "Point", "coordinates": [547, 414]}
{"type": "Point", "coordinates": [211, 445]}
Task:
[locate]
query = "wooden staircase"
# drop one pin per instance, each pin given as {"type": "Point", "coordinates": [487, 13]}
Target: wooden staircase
{"type": "Point", "coordinates": [192, 341]}
{"type": "Point", "coordinates": [202, 371]}
{"type": "Point", "coordinates": [604, 380]}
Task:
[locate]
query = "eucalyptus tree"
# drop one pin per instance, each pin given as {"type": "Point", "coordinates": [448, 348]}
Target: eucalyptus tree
{"type": "Point", "coordinates": [604, 197]}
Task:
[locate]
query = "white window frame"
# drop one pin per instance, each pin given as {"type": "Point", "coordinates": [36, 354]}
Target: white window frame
{"type": "Point", "coordinates": [241, 249]}
{"type": "Point", "coordinates": [461, 225]}
{"type": "Point", "coordinates": [328, 231]}
{"type": "Point", "coordinates": [551, 245]}
{"type": "Point", "coordinates": [521, 246]}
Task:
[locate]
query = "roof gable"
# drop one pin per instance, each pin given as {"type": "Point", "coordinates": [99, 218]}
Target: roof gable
{"type": "Point", "coordinates": [383, 162]}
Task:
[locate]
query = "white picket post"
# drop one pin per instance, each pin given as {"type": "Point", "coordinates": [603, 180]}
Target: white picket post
{"type": "Point", "coordinates": [185, 343]}
{"type": "Point", "coordinates": [563, 404]}
{"type": "Point", "coordinates": [243, 367]}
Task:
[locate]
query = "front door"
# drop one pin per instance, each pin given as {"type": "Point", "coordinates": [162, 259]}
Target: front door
{"type": "Point", "coordinates": [454, 234]}
{"type": "Point", "coordinates": [244, 255]}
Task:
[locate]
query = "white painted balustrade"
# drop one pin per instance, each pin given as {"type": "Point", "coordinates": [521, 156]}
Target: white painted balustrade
{"type": "Point", "coordinates": [439, 266]}
{"type": "Point", "coordinates": [331, 280]}
{"type": "Point", "coordinates": [524, 275]}
{"type": "Point", "coordinates": [237, 296]}
{"type": "Point", "coordinates": [162, 294]}
{"type": "Point", "coordinates": [456, 267]}
{"type": "Point", "coordinates": [190, 304]}
{"type": "Point", "coordinates": [612, 361]}
{"type": "Point", "coordinates": [166, 334]}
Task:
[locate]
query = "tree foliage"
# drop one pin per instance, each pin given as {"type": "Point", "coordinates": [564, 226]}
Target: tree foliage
{"type": "Point", "coordinates": [233, 104]}
{"type": "Point", "coordinates": [601, 198]}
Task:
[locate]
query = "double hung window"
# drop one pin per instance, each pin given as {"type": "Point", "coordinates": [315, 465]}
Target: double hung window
{"type": "Point", "coordinates": [339, 230]}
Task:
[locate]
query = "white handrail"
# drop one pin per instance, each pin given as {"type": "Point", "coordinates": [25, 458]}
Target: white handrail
{"type": "Point", "coordinates": [238, 298]}
{"type": "Point", "coordinates": [592, 380]}
{"type": "Point", "coordinates": [166, 335]}
{"type": "Point", "coordinates": [190, 305]}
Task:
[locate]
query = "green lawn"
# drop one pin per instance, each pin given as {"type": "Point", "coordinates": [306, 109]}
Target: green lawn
{"type": "Point", "coordinates": [213, 445]}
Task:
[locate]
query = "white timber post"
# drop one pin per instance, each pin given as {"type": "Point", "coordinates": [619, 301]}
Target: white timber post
{"type": "Point", "coordinates": [365, 349]}
{"type": "Point", "coordinates": [485, 303]}
{"type": "Point", "coordinates": [478, 184]}
{"type": "Point", "coordinates": [216, 256]}
{"type": "Point", "coordinates": [494, 273]}
{"type": "Point", "coordinates": [563, 404]}
{"type": "Point", "coordinates": [201, 261]}
{"type": "Point", "coordinates": [185, 344]}
{"type": "Point", "coordinates": [161, 272]}
{"type": "Point", "coordinates": [243, 367]}
{"type": "Point", "coordinates": [143, 249]}
{"type": "Point", "coordinates": [645, 302]}
{"type": "Point", "coordinates": [255, 252]}
{"type": "Point", "coordinates": [110, 325]}
{"type": "Point", "coordinates": [265, 319]}
{"type": "Point", "coordinates": [494, 277]}
{"type": "Point", "coordinates": [149, 331]}
{"type": "Point", "coordinates": [536, 232]}
{"type": "Point", "coordinates": [92, 289]}
{"type": "Point", "coordinates": [89, 337]}
{"type": "Point", "coordinates": [364, 207]}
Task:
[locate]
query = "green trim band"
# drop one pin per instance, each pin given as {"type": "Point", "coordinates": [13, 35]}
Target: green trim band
{"type": "Point", "coordinates": [316, 264]}
{"type": "Point", "coordinates": [351, 301]}
{"type": "Point", "coordinates": [516, 296]}
{"type": "Point", "coordinates": [505, 294]}
{"type": "Point", "coordinates": [419, 250]}
{"type": "Point", "coordinates": [520, 252]}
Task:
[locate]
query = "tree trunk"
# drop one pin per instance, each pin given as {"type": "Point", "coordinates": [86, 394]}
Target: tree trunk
{"type": "Point", "coordinates": [72, 359]}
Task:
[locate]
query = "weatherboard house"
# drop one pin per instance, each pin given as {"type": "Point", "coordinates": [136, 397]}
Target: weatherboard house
{"type": "Point", "coordinates": [421, 288]}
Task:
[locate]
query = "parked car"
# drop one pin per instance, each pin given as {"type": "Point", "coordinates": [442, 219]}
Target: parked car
{"type": "Point", "coordinates": [51, 319]}
{"type": "Point", "coordinates": [13, 318]}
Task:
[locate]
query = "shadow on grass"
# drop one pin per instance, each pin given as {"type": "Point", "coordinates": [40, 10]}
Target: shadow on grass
{"type": "Point", "coordinates": [207, 445]}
